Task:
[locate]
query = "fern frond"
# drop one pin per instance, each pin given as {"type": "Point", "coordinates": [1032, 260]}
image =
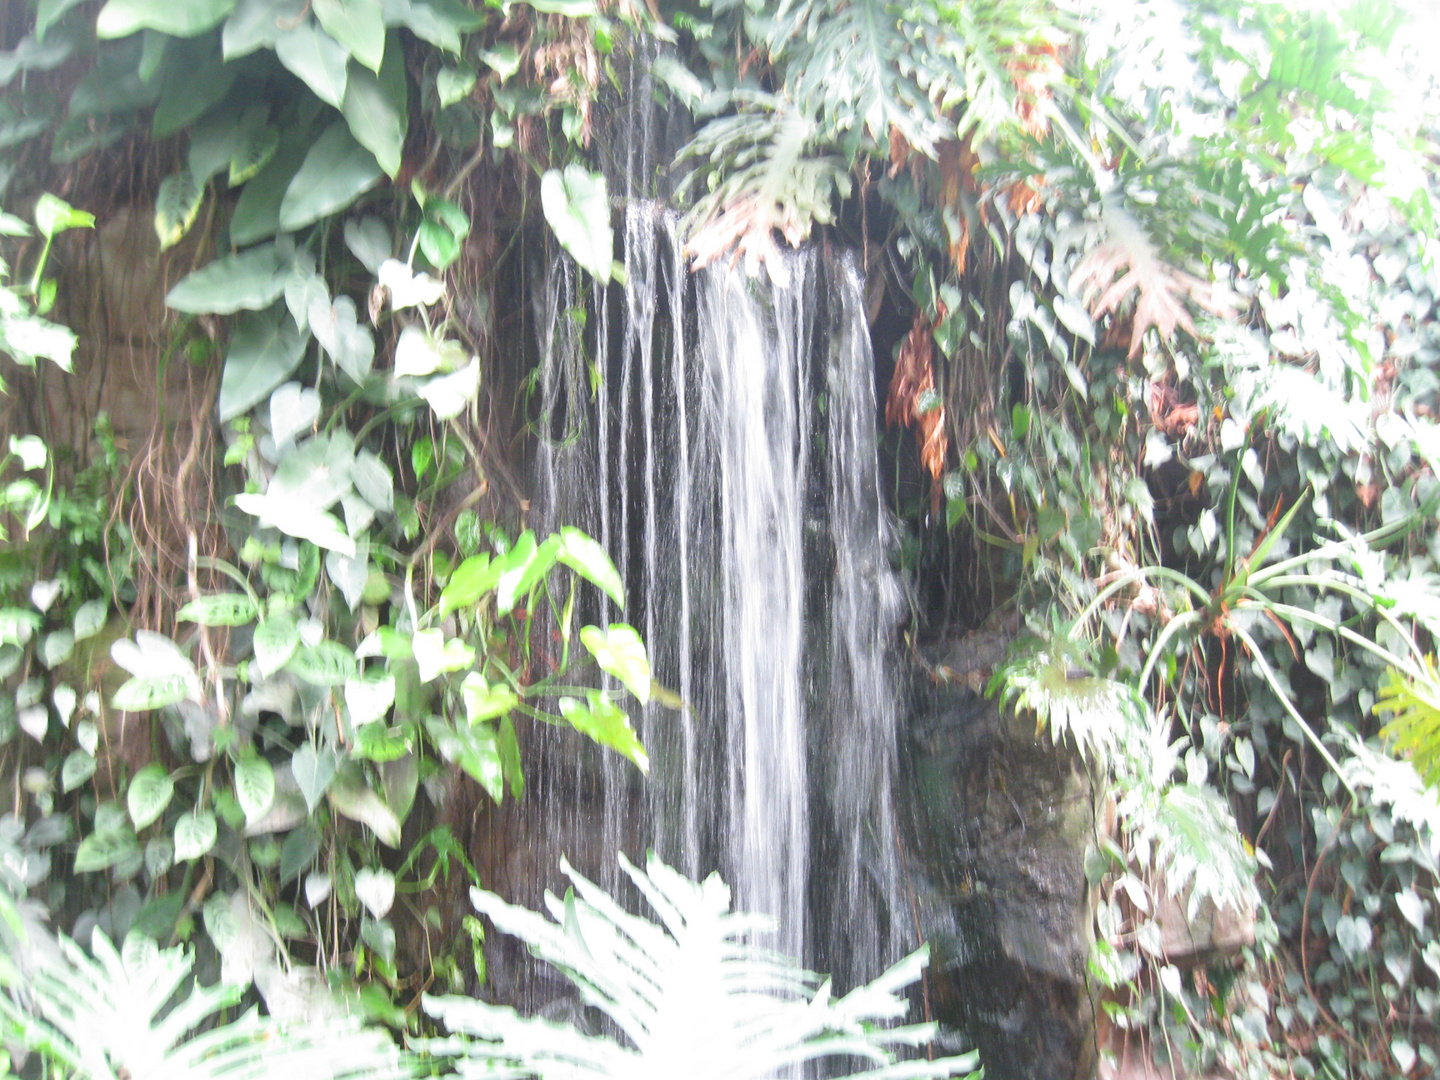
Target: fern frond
{"type": "Point", "coordinates": [1412, 702]}
{"type": "Point", "coordinates": [691, 996]}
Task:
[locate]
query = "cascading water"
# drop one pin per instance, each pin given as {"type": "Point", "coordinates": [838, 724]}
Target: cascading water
{"type": "Point", "coordinates": [717, 434]}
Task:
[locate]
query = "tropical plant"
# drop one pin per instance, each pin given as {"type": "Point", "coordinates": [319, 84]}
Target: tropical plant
{"type": "Point", "coordinates": [137, 1011]}
{"type": "Point", "coordinates": [696, 994]}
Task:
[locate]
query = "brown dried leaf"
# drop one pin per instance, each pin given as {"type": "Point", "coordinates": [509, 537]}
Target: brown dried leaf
{"type": "Point", "coordinates": [914, 379]}
{"type": "Point", "coordinates": [746, 228]}
{"type": "Point", "coordinates": [1161, 288]}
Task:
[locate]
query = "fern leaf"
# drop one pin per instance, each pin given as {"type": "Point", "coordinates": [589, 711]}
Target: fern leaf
{"type": "Point", "coordinates": [1412, 701]}
{"type": "Point", "coordinates": [691, 996]}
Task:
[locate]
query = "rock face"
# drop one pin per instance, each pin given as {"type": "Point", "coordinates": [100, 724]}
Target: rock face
{"type": "Point", "coordinates": [998, 826]}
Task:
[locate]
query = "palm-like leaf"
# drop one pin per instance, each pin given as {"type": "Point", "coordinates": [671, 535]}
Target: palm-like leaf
{"type": "Point", "coordinates": [692, 996]}
{"type": "Point", "coordinates": [1412, 702]}
{"type": "Point", "coordinates": [111, 1015]}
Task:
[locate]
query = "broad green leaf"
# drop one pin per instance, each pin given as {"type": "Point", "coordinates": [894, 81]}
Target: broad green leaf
{"type": "Point", "coordinates": [350, 574]}
{"type": "Point", "coordinates": [258, 145]}
{"type": "Point", "coordinates": [434, 654]}
{"type": "Point", "coordinates": [49, 12]}
{"type": "Point", "coordinates": [454, 84]}
{"type": "Point", "coordinates": [31, 451]}
{"type": "Point", "coordinates": [317, 59]}
{"type": "Point", "coordinates": [55, 648]}
{"type": "Point", "coordinates": [376, 890]}
{"type": "Point", "coordinates": [337, 170]}
{"type": "Point", "coordinates": [18, 625]}
{"type": "Point", "coordinates": [373, 480]}
{"type": "Point", "coordinates": [28, 339]}
{"type": "Point", "coordinates": [475, 749]}
{"type": "Point", "coordinates": [607, 724]}
{"type": "Point", "coordinates": [195, 77]}
{"type": "Point", "coordinates": [317, 888]}
{"type": "Point", "coordinates": [257, 213]}
{"type": "Point", "coordinates": [321, 528]}
{"type": "Point", "coordinates": [503, 60]}
{"type": "Point", "coordinates": [419, 353]}
{"type": "Point", "coordinates": [303, 288]}
{"type": "Point", "coordinates": [254, 785]}
{"type": "Point", "coordinates": [265, 348]}
{"type": "Point", "coordinates": [176, 206]}
{"type": "Point", "coordinates": [344, 338]}
{"type": "Point", "coordinates": [148, 795]}
{"type": "Point", "coordinates": [470, 581]}
{"type": "Point", "coordinates": [220, 609]}
{"type": "Point", "coordinates": [510, 757]}
{"type": "Point", "coordinates": [54, 216]}
{"type": "Point", "coordinates": [298, 853]}
{"type": "Point", "coordinates": [195, 835]}
{"type": "Point", "coordinates": [356, 24]}
{"type": "Point", "coordinates": [313, 769]}
{"type": "Point", "coordinates": [448, 395]}
{"type": "Point", "coordinates": [102, 850]}
{"type": "Point", "coordinates": [259, 24]}
{"type": "Point", "coordinates": [407, 288]}
{"type": "Point", "coordinates": [317, 472]}
{"type": "Point", "coordinates": [79, 766]}
{"type": "Point", "coordinates": [485, 701]}
{"type": "Point", "coordinates": [326, 664]}
{"type": "Point", "coordinates": [152, 692]}
{"type": "Point", "coordinates": [375, 107]}
{"type": "Point", "coordinates": [440, 22]}
{"type": "Point", "coordinates": [526, 565]}
{"type": "Point", "coordinates": [369, 698]}
{"type": "Point", "coordinates": [577, 206]}
{"type": "Point", "coordinates": [249, 281]}
{"type": "Point", "coordinates": [620, 652]}
{"type": "Point", "coordinates": [275, 641]}
{"type": "Point", "coordinates": [588, 559]}
{"type": "Point", "coordinates": [369, 240]}
{"type": "Point", "coordinates": [178, 18]}
{"type": "Point", "coordinates": [350, 796]}
{"type": "Point", "coordinates": [215, 139]}
{"type": "Point", "coordinates": [293, 411]}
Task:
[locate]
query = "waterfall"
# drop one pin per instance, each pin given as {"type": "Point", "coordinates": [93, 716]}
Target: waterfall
{"type": "Point", "coordinates": [716, 433]}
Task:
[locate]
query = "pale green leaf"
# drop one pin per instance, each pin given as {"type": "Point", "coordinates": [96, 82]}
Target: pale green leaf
{"type": "Point", "coordinates": [249, 281]}
{"type": "Point", "coordinates": [178, 18]}
{"type": "Point", "coordinates": [177, 204]}
{"type": "Point", "coordinates": [620, 652]}
{"type": "Point", "coordinates": [220, 609]}
{"type": "Point", "coordinates": [358, 25]}
{"type": "Point", "coordinates": [313, 770]}
{"type": "Point", "coordinates": [317, 59]}
{"type": "Point", "coordinates": [148, 795]}
{"type": "Point", "coordinates": [607, 724]}
{"type": "Point", "coordinates": [265, 347]}
{"type": "Point", "coordinates": [484, 700]}
{"type": "Point", "coordinates": [79, 766]}
{"type": "Point", "coordinates": [195, 835]}
{"type": "Point", "coordinates": [102, 850]}
{"type": "Point", "coordinates": [337, 170]}
{"type": "Point", "coordinates": [454, 84]}
{"type": "Point", "coordinates": [327, 663]}
{"type": "Point", "coordinates": [350, 796]}
{"type": "Point", "coordinates": [275, 640]}
{"type": "Point", "coordinates": [577, 206]}
{"type": "Point", "coordinates": [254, 786]}
{"type": "Point", "coordinates": [375, 107]}
{"type": "Point", "coordinates": [588, 559]}
{"type": "Point", "coordinates": [376, 890]}
{"type": "Point", "coordinates": [259, 24]}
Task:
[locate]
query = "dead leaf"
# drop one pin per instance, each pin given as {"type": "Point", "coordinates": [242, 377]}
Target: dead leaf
{"type": "Point", "coordinates": [914, 381]}
{"type": "Point", "coordinates": [1162, 288]}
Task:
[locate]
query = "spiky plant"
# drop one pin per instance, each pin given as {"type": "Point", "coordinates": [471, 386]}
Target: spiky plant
{"type": "Point", "coordinates": [691, 996]}
{"type": "Point", "coordinates": [136, 1012]}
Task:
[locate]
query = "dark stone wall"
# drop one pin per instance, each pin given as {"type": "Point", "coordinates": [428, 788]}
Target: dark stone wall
{"type": "Point", "coordinates": [998, 824]}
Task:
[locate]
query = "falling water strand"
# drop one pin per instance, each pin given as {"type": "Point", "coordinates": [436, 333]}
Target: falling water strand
{"type": "Point", "coordinates": [730, 424]}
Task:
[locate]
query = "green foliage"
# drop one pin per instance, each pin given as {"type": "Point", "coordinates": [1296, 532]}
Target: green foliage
{"type": "Point", "coordinates": [691, 994]}
{"type": "Point", "coordinates": [1411, 700]}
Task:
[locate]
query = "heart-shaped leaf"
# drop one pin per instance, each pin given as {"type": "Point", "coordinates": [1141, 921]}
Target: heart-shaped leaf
{"type": "Point", "coordinates": [194, 835]}
{"type": "Point", "coordinates": [293, 411]}
{"type": "Point", "coordinates": [376, 890]}
{"type": "Point", "coordinates": [275, 641]}
{"type": "Point", "coordinates": [347, 341]}
{"type": "Point", "coordinates": [148, 795]}
{"type": "Point", "coordinates": [313, 769]}
{"type": "Point", "coordinates": [577, 206]}
{"type": "Point", "coordinates": [254, 786]}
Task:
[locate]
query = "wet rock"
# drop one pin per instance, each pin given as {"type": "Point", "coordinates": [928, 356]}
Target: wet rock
{"type": "Point", "coordinates": [998, 827]}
